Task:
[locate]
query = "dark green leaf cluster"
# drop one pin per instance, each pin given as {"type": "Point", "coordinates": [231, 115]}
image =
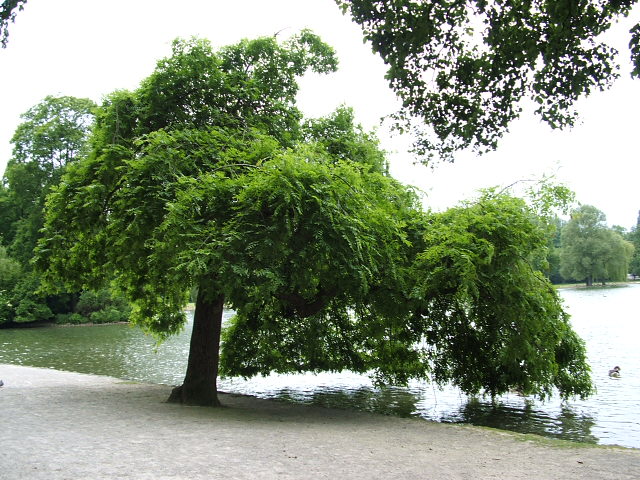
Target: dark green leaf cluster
{"type": "Point", "coordinates": [460, 303]}
{"type": "Point", "coordinates": [492, 321]}
{"type": "Point", "coordinates": [462, 67]}
{"type": "Point", "coordinates": [248, 85]}
{"type": "Point", "coordinates": [634, 46]}
{"type": "Point", "coordinates": [322, 242]}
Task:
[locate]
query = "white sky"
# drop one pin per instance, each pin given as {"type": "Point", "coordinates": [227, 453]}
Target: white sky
{"type": "Point", "coordinates": [90, 48]}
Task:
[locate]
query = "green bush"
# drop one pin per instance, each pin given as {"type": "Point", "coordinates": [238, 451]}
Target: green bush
{"type": "Point", "coordinates": [91, 302]}
{"type": "Point", "coordinates": [6, 309]}
{"type": "Point", "coordinates": [70, 319]}
{"type": "Point", "coordinates": [109, 315]}
{"type": "Point", "coordinates": [30, 310]}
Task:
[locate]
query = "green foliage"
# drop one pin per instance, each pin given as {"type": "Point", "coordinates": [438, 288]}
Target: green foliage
{"type": "Point", "coordinates": [310, 243]}
{"type": "Point", "coordinates": [491, 321]}
{"type": "Point", "coordinates": [106, 219]}
{"type": "Point", "coordinates": [28, 305]}
{"type": "Point", "coordinates": [634, 237]}
{"type": "Point", "coordinates": [469, 308]}
{"type": "Point", "coordinates": [8, 11]}
{"type": "Point", "coordinates": [102, 306]}
{"type": "Point", "coordinates": [591, 251]}
{"type": "Point", "coordinates": [52, 136]}
{"type": "Point", "coordinates": [338, 136]}
{"type": "Point", "coordinates": [462, 68]}
{"type": "Point", "coordinates": [634, 46]}
{"type": "Point", "coordinates": [250, 84]}
{"type": "Point", "coordinates": [10, 273]}
{"type": "Point", "coordinates": [70, 319]}
{"type": "Point", "coordinates": [53, 133]}
{"type": "Point", "coordinates": [212, 183]}
{"type": "Point", "coordinates": [109, 315]}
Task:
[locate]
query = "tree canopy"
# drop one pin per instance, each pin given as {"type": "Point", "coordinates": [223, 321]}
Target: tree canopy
{"type": "Point", "coordinates": [462, 68]}
{"type": "Point", "coordinates": [52, 134]}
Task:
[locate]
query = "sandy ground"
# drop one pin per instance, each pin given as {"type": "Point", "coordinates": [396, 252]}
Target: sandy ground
{"type": "Point", "coordinates": [60, 425]}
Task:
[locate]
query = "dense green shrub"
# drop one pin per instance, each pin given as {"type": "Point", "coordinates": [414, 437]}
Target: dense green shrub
{"type": "Point", "coordinates": [110, 315]}
{"type": "Point", "coordinates": [91, 302]}
{"type": "Point", "coordinates": [70, 319]}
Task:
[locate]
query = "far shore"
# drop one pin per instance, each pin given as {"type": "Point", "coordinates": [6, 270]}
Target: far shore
{"type": "Point", "coordinates": [562, 286]}
{"type": "Point", "coordinates": [190, 307]}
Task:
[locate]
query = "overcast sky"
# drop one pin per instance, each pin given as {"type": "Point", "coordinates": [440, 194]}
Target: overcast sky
{"type": "Point", "coordinates": [90, 48]}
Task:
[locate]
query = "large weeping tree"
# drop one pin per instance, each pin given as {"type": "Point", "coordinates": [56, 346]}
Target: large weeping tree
{"type": "Point", "coordinates": [207, 179]}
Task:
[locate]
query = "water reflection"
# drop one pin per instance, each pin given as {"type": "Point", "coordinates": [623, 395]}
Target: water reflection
{"type": "Point", "coordinates": [602, 317]}
{"type": "Point", "coordinates": [387, 401]}
{"type": "Point", "coordinates": [568, 424]}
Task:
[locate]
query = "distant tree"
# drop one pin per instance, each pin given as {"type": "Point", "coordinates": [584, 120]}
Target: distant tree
{"type": "Point", "coordinates": [462, 68]}
{"type": "Point", "coordinates": [634, 237]}
{"type": "Point", "coordinates": [214, 182]}
{"type": "Point", "coordinates": [555, 248]}
{"type": "Point", "coordinates": [590, 250]}
{"type": "Point", "coordinates": [52, 134]}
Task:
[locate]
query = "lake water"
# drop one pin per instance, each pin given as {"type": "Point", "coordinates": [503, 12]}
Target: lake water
{"type": "Point", "coordinates": [607, 319]}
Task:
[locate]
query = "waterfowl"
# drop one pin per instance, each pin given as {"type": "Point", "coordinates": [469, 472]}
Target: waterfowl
{"type": "Point", "coordinates": [614, 372]}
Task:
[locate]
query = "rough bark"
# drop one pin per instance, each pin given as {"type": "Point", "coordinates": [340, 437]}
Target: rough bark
{"type": "Point", "coordinates": [199, 386]}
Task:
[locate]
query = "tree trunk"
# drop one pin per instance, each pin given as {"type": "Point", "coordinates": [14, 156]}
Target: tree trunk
{"type": "Point", "coordinates": [199, 386]}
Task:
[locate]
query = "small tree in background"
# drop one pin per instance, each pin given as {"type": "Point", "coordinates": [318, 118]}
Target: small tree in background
{"type": "Point", "coordinates": [591, 251]}
{"type": "Point", "coordinates": [634, 237]}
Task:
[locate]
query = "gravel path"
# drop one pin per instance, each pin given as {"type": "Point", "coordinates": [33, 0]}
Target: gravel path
{"type": "Point", "coordinates": [68, 426]}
